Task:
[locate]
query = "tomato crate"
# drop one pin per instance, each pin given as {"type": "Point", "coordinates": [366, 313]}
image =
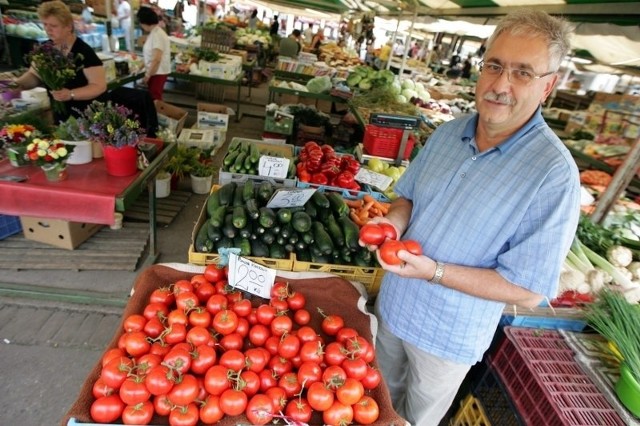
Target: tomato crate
{"type": "Point", "coordinates": [385, 141]}
{"type": "Point", "coordinates": [9, 225]}
{"type": "Point", "coordinates": [370, 278]}
{"type": "Point", "coordinates": [471, 413]}
{"type": "Point", "coordinates": [545, 383]}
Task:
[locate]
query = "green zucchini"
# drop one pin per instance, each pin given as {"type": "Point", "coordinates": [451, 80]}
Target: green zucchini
{"type": "Point", "coordinates": [351, 233]}
{"type": "Point", "coordinates": [284, 215]}
{"type": "Point", "coordinates": [322, 238]}
{"type": "Point", "coordinates": [253, 211]}
{"type": "Point", "coordinates": [337, 203]}
{"type": "Point", "coordinates": [217, 218]}
{"type": "Point", "coordinates": [213, 202]}
{"type": "Point", "coordinates": [237, 165]}
{"type": "Point", "coordinates": [267, 217]}
{"type": "Point", "coordinates": [259, 248]}
{"type": "Point", "coordinates": [202, 243]}
{"type": "Point", "coordinates": [239, 217]}
{"type": "Point", "coordinates": [268, 238]}
{"type": "Point", "coordinates": [276, 251]}
{"type": "Point", "coordinates": [248, 190]}
{"type": "Point", "coordinates": [286, 230]}
{"type": "Point", "coordinates": [311, 210]}
{"type": "Point", "coordinates": [245, 232]}
{"type": "Point", "coordinates": [229, 159]}
{"type": "Point", "coordinates": [237, 197]}
{"type": "Point", "coordinates": [224, 242]}
{"type": "Point", "coordinates": [226, 192]}
{"type": "Point", "coordinates": [228, 229]}
{"type": "Point", "coordinates": [243, 244]}
{"type": "Point", "coordinates": [307, 237]}
{"type": "Point", "coordinates": [265, 191]}
{"type": "Point", "coordinates": [214, 233]}
{"type": "Point", "coordinates": [335, 231]}
{"type": "Point", "coordinates": [319, 199]}
{"type": "Point", "coordinates": [301, 222]}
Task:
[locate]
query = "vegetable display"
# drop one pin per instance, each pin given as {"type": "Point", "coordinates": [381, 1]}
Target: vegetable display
{"type": "Point", "coordinates": [320, 231]}
{"type": "Point", "coordinates": [200, 351]}
{"type": "Point", "coordinates": [243, 156]}
{"type": "Point", "coordinates": [321, 165]}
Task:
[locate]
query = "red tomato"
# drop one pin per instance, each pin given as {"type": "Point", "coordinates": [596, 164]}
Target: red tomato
{"type": "Point", "coordinates": [389, 230]}
{"type": "Point", "coordinates": [372, 379]}
{"type": "Point", "coordinates": [258, 334]}
{"type": "Point", "coordinates": [200, 317]}
{"type": "Point", "coordinates": [101, 389]}
{"type": "Point", "coordinates": [134, 322]}
{"type": "Point", "coordinates": [355, 368]}
{"type": "Point", "coordinates": [203, 358]}
{"type": "Point", "coordinates": [210, 411]}
{"type": "Point", "coordinates": [319, 396]}
{"type": "Point", "coordinates": [280, 325]}
{"type": "Point", "coordinates": [338, 414]}
{"type": "Point", "coordinates": [357, 346]}
{"type": "Point", "coordinates": [312, 351]}
{"type": "Point", "coordinates": [412, 247]}
{"type": "Point", "coordinates": [331, 324]}
{"type": "Point", "coordinates": [251, 382]}
{"type": "Point", "coordinates": [279, 290]}
{"type": "Point", "coordinates": [302, 317]}
{"type": "Point", "coordinates": [225, 322]}
{"type": "Point", "coordinates": [289, 382]}
{"type": "Point", "coordinates": [185, 391]}
{"type": "Point", "coordinates": [242, 308]}
{"type": "Point", "coordinates": [200, 336]}
{"type": "Point", "coordinates": [176, 333]}
{"type": "Point", "coordinates": [296, 301]}
{"type": "Point", "coordinates": [153, 328]}
{"type": "Point", "coordinates": [204, 291]}
{"type": "Point", "coordinates": [197, 280]}
{"type": "Point", "coordinates": [268, 380]}
{"type": "Point", "coordinates": [181, 286]}
{"type": "Point", "coordinates": [115, 371]}
{"type": "Point", "coordinates": [233, 402]}
{"type": "Point", "coordinates": [278, 397]}
{"type": "Point", "coordinates": [265, 314]}
{"type": "Point", "coordinates": [177, 316]}
{"type": "Point", "coordinates": [280, 365]}
{"type": "Point", "coordinates": [162, 295]}
{"type": "Point", "coordinates": [216, 380]}
{"type": "Point", "coordinates": [307, 334]}
{"type": "Point", "coordinates": [111, 354]}
{"type": "Point", "coordinates": [280, 305]}
{"type": "Point", "coordinates": [146, 362]}
{"type": "Point", "coordinates": [162, 405]}
{"type": "Point", "coordinates": [187, 300]}
{"type": "Point", "coordinates": [213, 274]}
{"type": "Point", "coordinates": [389, 252]}
{"type": "Point", "coordinates": [133, 391]}
{"type": "Point", "coordinates": [260, 410]}
{"type": "Point", "coordinates": [350, 392]}
{"type": "Point", "coordinates": [139, 414]}
{"type": "Point", "coordinates": [179, 359]}
{"type": "Point", "coordinates": [346, 333]}
{"type": "Point", "coordinates": [366, 411]}
{"type": "Point", "coordinates": [159, 380]}
{"type": "Point", "coordinates": [243, 327]}
{"type": "Point", "coordinates": [184, 416]}
{"type": "Point", "coordinates": [334, 376]}
{"type": "Point", "coordinates": [299, 410]}
{"type": "Point", "coordinates": [289, 346]}
{"type": "Point", "coordinates": [309, 372]}
{"type": "Point", "coordinates": [159, 348]}
{"type": "Point", "coordinates": [256, 359]}
{"type": "Point", "coordinates": [334, 353]}
{"type": "Point", "coordinates": [217, 303]}
{"type": "Point", "coordinates": [372, 234]}
{"type": "Point", "coordinates": [107, 409]}
{"type": "Point", "coordinates": [232, 359]}
{"type": "Point", "coordinates": [155, 310]}
{"type": "Point", "coordinates": [232, 341]}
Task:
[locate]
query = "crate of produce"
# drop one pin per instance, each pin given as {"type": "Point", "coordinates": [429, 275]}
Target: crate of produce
{"type": "Point", "coordinates": [544, 322]}
{"type": "Point", "coordinates": [545, 383]}
{"type": "Point", "coordinates": [9, 225]}
{"type": "Point", "coordinates": [279, 123]}
{"type": "Point", "coordinates": [493, 397]}
{"type": "Point", "coordinates": [385, 141]}
{"type": "Point", "coordinates": [199, 257]}
{"type": "Point", "coordinates": [370, 278]}
{"type": "Point", "coordinates": [242, 159]}
{"type": "Point", "coordinates": [470, 413]}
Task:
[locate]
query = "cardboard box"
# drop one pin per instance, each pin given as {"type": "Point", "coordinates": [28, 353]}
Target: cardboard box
{"type": "Point", "coordinates": [59, 233]}
{"type": "Point", "coordinates": [241, 53]}
{"type": "Point", "coordinates": [202, 138]}
{"type": "Point", "coordinates": [170, 116]}
{"type": "Point", "coordinates": [212, 116]}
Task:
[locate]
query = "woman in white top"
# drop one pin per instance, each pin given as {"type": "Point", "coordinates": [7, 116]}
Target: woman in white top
{"type": "Point", "coordinates": [124, 17]}
{"type": "Point", "coordinates": [156, 52]}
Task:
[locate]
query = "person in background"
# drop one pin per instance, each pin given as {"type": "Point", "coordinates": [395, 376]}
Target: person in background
{"type": "Point", "coordinates": [308, 34]}
{"type": "Point", "coordinates": [275, 26]}
{"type": "Point", "coordinates": [156, 52]}
{"type": "Point", "coordinates": [383, 56]}
{"type": "Point", "coordinates": [493, 200]}
{"type": "Point", "coordinates": [89, 82]}
{"type": "Point", "coordinates": [466, 68]}
{"type": "Point", "coordinates": [291, 46]}
{"type": "Point", "coordinates": [124, 17]}
{"type": "Point", "coordinates": [316, 41]}
{"type": "Point", "coordinates": [253, 20]}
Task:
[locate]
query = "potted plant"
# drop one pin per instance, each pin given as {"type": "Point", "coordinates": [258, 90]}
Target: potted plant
{"type": "Point", "coordinates": [14, 139]}
{"type": "Point", "coordinates": [51, 155]}
{"type": "Point", "coordinates": [617, 320]}
{"type": "Point", "coordinates": [180, 162]}
{"type": "Point", "coordinates": [163, 184]}
{"type": "Point", "coordinates": [69, 132]}
{"type": "Point", "coordinates": [309, 119]}
{"type": "Point", "coordinates": [202, 176]}
{"type": "Point", "coordinates": [119, 133]}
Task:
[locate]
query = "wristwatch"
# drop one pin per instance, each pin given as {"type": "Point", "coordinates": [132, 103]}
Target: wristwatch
{"type": "Point", "coordinates": [73, 96]}
{"type": "Point", "coordinates": [437, 276]}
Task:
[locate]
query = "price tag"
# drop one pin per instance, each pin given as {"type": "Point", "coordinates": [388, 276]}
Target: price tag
{"type": "Point", "coordinates": [276, 167]}
{"type": "Point", "coordinates": [294, 197]}
{"type": "Point", "coordinates": [248, 276]}
{"type": "Point", "coordinates": [372, 178]}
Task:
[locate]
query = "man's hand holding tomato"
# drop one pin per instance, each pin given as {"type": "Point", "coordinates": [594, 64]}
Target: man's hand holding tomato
{"type": "Point", "coordinates": [410, 266]}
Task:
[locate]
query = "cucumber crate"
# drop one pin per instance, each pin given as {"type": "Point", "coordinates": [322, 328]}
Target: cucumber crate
{"type": "Point", "coordinates": [244, 156]}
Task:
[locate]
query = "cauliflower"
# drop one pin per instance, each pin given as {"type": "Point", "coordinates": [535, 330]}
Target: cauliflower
{"type": "Point", "coordinates": [619, 256]}
{"type": "Point", "coordinates": [634, 267]}
{"type": "Point", "coordinates": [597, 278]}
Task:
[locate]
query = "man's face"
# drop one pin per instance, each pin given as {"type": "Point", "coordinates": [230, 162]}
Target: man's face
{"type": "Point", "coordinates": [505, 105]}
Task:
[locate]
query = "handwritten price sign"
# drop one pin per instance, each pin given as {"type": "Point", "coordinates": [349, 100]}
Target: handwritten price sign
{"type": "Point", "coordinates": [248, 276]}
{"type": "Point", "coordinates": [275, 167]}
{"type": "Point", "coordinates": [285, 197]}
{"type": "Point", "coordinates": [378, 180]}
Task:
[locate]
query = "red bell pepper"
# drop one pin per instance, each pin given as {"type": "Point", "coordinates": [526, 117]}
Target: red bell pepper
{"type": "Point", "coordinates": [345, 179]}
{"type": "Point", "coordinates": [319, 179]}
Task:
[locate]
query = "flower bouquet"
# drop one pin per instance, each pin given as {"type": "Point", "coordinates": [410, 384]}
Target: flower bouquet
{"type": "Point", "coordinates": [110, 124]}
{"type": "Point", "coordinates": [14, 139]}
{"type": "Point", "coordinates": [51, 156]}
{"type": "Point", "coordinates": [54, 68]}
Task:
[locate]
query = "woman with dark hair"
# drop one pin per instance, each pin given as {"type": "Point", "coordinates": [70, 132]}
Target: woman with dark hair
{"type": "Point", "coordinates": [89, 82]}
{"type": "Point", "coordinates": [156, 52]}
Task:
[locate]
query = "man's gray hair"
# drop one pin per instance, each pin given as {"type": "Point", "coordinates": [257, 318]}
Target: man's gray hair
{"type": "Point", "coordinates": [532, 23]}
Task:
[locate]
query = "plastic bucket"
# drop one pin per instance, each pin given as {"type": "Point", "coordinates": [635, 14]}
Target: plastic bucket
{"type": "Point", "coordinates": [121, 161]}
{"type": "Point", "coordinates": [82, 153]}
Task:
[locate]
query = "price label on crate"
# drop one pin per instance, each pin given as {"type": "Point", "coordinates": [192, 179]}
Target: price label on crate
{"type": "Point", "coordinates": [248, 276]}
{"type": "Point", "coordinates": [372, 178]}
{"type": "Point", "coordinates": [290, 197]}
{"type": "Point", "coordinates": [275, 167]}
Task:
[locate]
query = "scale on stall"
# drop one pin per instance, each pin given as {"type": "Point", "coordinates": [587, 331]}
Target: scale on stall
{"type": "Point", "coordinates": [405, 122]}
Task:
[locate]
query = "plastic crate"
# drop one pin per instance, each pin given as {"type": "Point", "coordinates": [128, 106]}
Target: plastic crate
{"type": "Point", "coordinates": [551, 323]}
{"type": "Point", "coordinates": [9, 225]}
{"type": "Point", "coordinates": [226, 177]}
{"type": "Point", "coordinates": [471, 413]}
{"type": "Point", "coordinates": [278, 124]}
{"type": "Point", "coordinates": [370, 278]}
{"type": "Point", "coordinates": [196, 258]}
{"type": "Point", "coordinates": [385, 142]}
{"type": "Point", "coordinates": [546, 384]}
{"type": "Point", "coordinates": [492, 395]}
{"type": "Point", "coordinates": [346, 193]}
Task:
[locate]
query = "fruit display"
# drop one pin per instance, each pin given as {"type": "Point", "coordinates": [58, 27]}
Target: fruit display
{"type": "Point", "coordinates": [383, 167]}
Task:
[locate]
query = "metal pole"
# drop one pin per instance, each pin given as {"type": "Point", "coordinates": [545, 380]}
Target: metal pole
{"type": "Point", "coordinates": [621, 178]}
{"type": "Point", "coordinates": [407, 45]}
{"type": "Point", "coordinates": [393, 44]}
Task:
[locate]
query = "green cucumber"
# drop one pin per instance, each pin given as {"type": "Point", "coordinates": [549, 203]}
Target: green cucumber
{"type": "Point", "coordinates": [226, 192]}
{"type": "Point", "coordinates": [259, 248]}
{"type": "Point", "coordinates": [322, 238]}
{"type": "Point", "coordinates": [319, 199]}
{"type": "Point", "coordinates": [284, 215]}
{"type": "Point", "coordinates": [214, 233]}
{"type": "Point", "coordinates": [248, 190]}
{"type": "Point", "coordinates": [213, 202]}
{"type": "Point", "coordinates": [254, 153]}
{"type": "Point", "coordinates": [265, 191]}
{"type": "Point", "coordinates": [243, 244]}
{"type": "Point", "coordinates": [351, 233]}
{"type": "Point", "coordinates": [217, 218]}
{"type": "Point", "coordinates": [253, 211]}
{"type": "Point", "coordinates": [337, 203]}
{"type": "Point", "coordinates": [267, 217]}
{"type": "Point", "coordinates": [239, 217]}
{"type": "Point", "coordinates": [301, 221]}
{"type": "Point", "coordinates": [335, 231]}
{"type": "Point", "coordinates": [202, 243]}
{"type": "Point", "coordinates": [228, 229]}
{"type": "Point", "coordinates": [230, 158]}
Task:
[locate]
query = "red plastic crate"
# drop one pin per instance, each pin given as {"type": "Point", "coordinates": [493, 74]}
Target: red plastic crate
{"type": "Point", "coordinates": [546, 384]}
{"type": "Point", "coordinates": [385, 142]}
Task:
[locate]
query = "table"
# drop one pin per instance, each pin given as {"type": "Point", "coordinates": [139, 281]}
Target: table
{"type": "Point", "coordinates": [249, 67]}
{"type": "Point", "coordinates": [88, 195]}
{"type": "Point", "coordinates": [121, 81]}
{"type": "Point", "coordinates": [202, 79]}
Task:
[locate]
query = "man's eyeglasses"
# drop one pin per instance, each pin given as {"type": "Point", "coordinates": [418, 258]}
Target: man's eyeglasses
{"type": "Point", "coordinates": [514, 75]}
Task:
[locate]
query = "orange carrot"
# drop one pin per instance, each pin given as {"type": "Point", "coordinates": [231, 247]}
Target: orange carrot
{"type": "Point", "coordinates": [356, 219]}
{"type": "Point", "coordinates": [356, 204]}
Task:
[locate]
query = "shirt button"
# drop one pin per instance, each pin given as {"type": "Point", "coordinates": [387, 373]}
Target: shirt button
{"type": "Point", "coordinates": [473, 158]}
{"type": "Point", "coordinates": [463, 175]}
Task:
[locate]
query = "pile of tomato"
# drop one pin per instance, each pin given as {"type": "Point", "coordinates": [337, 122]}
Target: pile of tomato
{"type": "Point", "coordinates": [201, 351]}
